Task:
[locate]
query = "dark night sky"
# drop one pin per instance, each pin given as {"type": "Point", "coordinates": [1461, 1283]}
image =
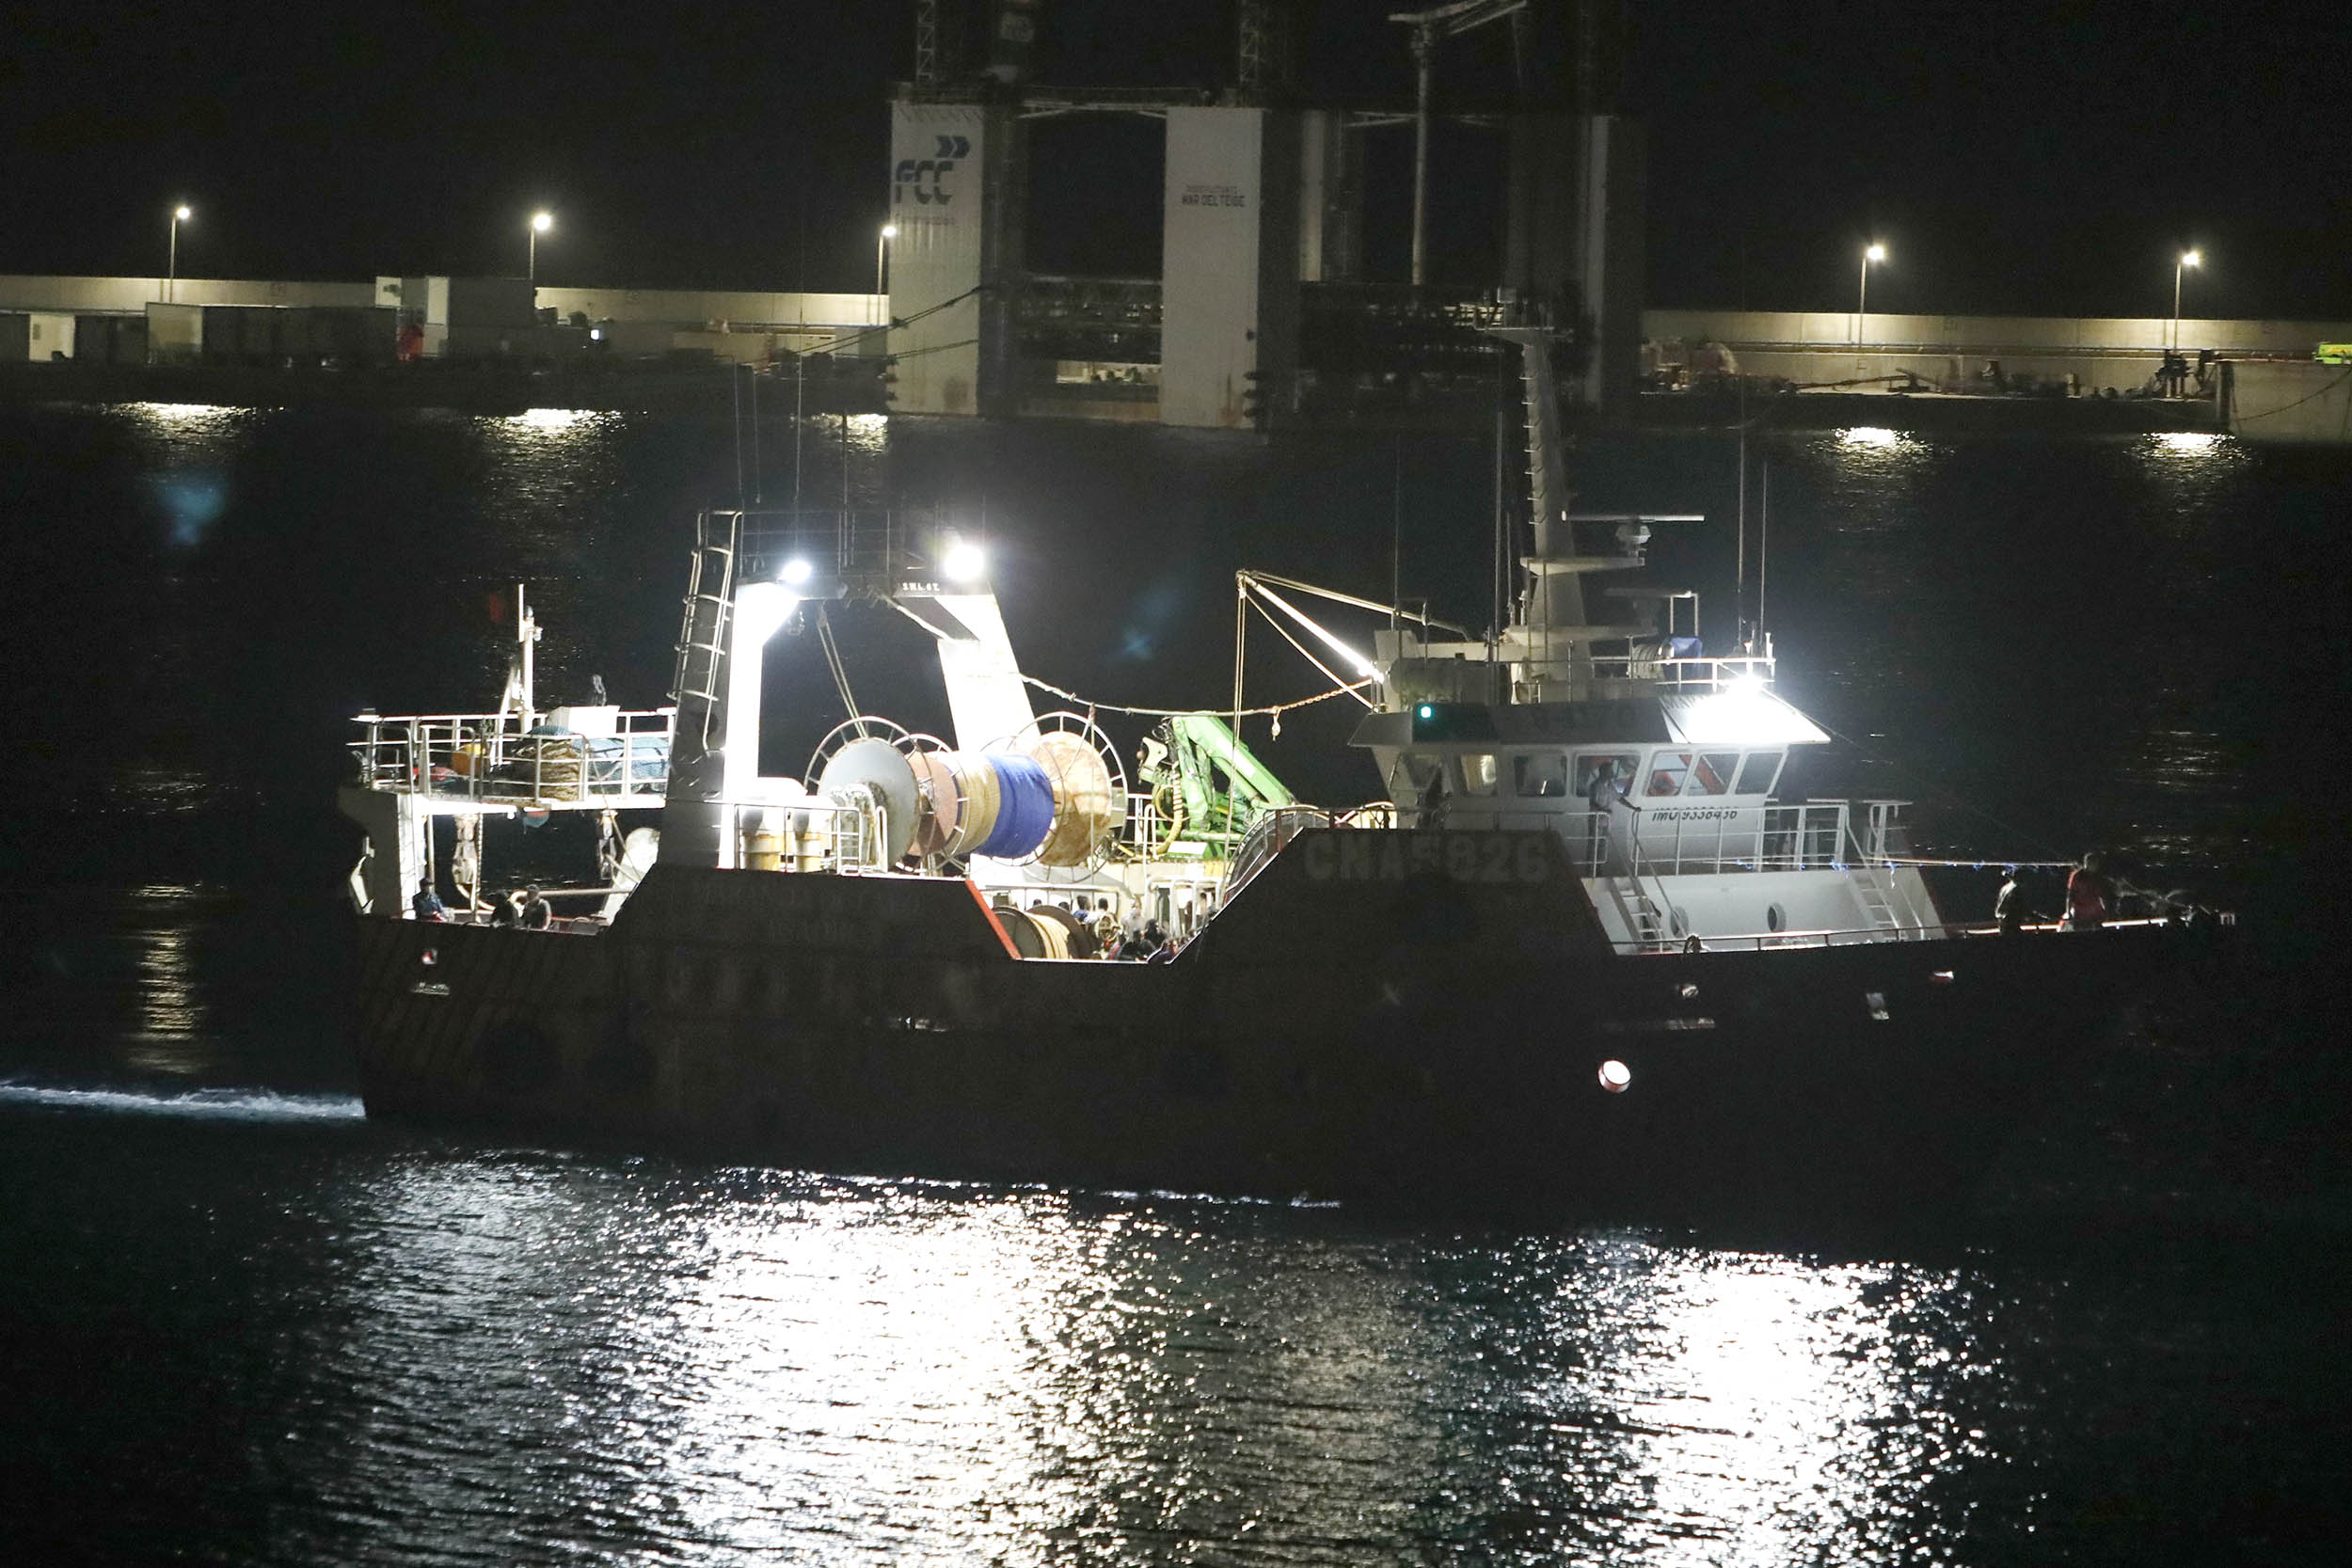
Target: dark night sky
{"type": "Point", "coordinates": [2045, 157]}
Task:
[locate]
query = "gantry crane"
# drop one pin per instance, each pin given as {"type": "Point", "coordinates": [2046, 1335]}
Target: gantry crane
{"type": "Point", "coordinates": [1441, 21]}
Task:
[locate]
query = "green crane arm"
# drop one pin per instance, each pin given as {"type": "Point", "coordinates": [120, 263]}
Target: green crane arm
{"type": "Point", "coordinates": [1207, 735]}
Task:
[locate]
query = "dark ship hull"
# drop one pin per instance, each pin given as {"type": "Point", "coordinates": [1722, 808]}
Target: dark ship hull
{"type": "Point", "coordinates": [1396, 1016]}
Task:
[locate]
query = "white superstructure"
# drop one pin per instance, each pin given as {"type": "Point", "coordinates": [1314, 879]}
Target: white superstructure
{"type": "Point", "coordinates": [1653, 762]}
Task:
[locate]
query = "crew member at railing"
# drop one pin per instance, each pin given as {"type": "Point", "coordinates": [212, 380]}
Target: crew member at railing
{"type": "Point", "coordinates": [2087, 893]}
{"type": "Point", "coordinates": [1608, 790]}
{"type": "Point", "coordinates": [427, 904]}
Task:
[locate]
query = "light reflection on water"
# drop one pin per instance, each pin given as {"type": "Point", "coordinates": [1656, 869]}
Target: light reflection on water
{"type": "Point", "coordinates": [553, 419]}
{"type": "Point", "coordinates": [1872, 437]}
{"type": "Point", "coordinates": [778, 1365]}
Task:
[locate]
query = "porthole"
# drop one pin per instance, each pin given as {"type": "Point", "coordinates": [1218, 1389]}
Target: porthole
{"type": "Point", "coordinates": [1776, 918]}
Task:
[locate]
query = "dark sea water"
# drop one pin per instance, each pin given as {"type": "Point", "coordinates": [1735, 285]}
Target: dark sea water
{"type": "Point", "coordinates": [238, 1323]}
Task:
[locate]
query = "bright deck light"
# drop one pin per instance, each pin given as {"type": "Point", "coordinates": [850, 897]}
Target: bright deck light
{"type": "Point", "coordinates": [2192, 258]}
{"type": "Point", "coordinates": [1615, 1075]}
{"type": "Point", "coordinates": [964, 562]}
{"type": "Point", "coordinates": [796, 571]}
{"type": "Point", "coordinates": [542, 221]}
{"type": "Point", "coordinates": [1876, 253]}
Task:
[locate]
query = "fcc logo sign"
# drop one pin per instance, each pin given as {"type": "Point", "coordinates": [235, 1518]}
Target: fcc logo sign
{"type": "Point", "coordinates": [922, 176]}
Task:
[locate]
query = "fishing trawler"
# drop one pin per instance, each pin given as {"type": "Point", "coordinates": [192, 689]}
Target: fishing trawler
{"type": "Point", "coordinates": [1578, 954]}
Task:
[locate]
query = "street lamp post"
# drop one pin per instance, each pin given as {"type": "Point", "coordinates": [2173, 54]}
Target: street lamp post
{"type": "Point", "coordinates": [1873, 252]}
{"type": "Point", "coordinates": [882, 255]}
{"type": "Point", "coordinates": [2187, 259]}
{"type": "Point", "coordinates": [171, 278]}
{"type": "Point", "coordinates": [540, 224]}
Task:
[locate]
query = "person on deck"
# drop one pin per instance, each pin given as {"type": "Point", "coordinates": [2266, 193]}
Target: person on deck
{"type": "Point", "coordinates": [2008, 905]}
{"type": "Point", "coordinates": [505, 912]}
{"type": "Point", "coordinates": [1609, 789]}
{"type": "Point", "coordinates": [2086, 894]}
{"type": "Point", "coordinates": [427, 904]}
{"type": "Point", "coordinates": [533, 913]}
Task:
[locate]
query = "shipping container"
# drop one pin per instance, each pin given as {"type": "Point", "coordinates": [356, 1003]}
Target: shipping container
{"type": "Point", "coordinates": [52, 334]}
{"type": "Point", "coordinates": [507, 304]}
{"type": "Point", "coordinates": [352, 334]}
{"type": "Point", "coordinates": [110, 340]}
{"type": "Point", "coordinates": [175, 333]}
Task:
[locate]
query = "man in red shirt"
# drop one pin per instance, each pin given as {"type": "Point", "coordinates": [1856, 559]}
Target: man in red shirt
{"type": "Point", "coordinates": [2086, 894]}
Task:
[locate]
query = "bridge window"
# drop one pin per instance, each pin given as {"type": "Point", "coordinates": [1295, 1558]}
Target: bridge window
{"type": "Point", "coordinates": [1757, 773]}
{"type": "Point", "coordinates": [1414, 775]}
{"type": "Point", "coordinates": [1543, 775]}
{"type": "Point", "coordinates": [1711, 774]}
{"type": "Point", "coordinates": [1481, 770]}
{"type": "Point", "coordinates": [1589, 766]}
{"type": "Point", "coordinates": [1667, 769]}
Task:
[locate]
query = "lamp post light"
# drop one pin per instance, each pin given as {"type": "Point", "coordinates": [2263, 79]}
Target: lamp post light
{"type": "Point", "coordinates": [540, 224]}
{"type": "Point", "coordinates": [882, 256]}
{"type": "Point", "coordinates": [1873, 252]}
{"type": "Point", "coordinates": [179, 214]}
{"type": "Point", "coordinates": [2187, 259]}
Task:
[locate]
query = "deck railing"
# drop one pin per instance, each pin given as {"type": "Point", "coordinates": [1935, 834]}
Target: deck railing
{"type": "Point", "coordinates": [812, 833]}
{"type": "Point", "coordinates": [1757, 942]}
{"type": "Point", "coordinates": [490, 758]}
{"type": "Point", "coordinates": [1811, 835]}
{"type": "Point", "coordinates": [1690, 676]}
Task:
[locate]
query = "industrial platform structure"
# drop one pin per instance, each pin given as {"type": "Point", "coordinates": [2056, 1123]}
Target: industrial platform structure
{"type": "Point", "coordinates": [1262, 308]}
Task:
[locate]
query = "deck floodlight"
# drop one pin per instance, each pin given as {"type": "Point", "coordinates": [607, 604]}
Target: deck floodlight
{"type": "Point", "coordinates": [796, 571]}
{"type": "Point", "coordinates": [963, 562]}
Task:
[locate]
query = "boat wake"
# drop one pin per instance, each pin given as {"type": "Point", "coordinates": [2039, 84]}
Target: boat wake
{"type": "Point", "coordinates": [220, 1104]}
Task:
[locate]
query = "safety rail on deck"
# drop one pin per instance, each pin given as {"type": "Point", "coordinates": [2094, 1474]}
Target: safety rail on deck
{"type": "Point", "coordinates": [1147, 834]}
{"type": "Point", "coordinates": [874, 548]}
{"type": "Point", "coordinates": [809, 835]}
{"type": "Point", "coordinates": [1757, 942]}
{"type": "Point", "coordinates": [1812, 835]}
{"type": "Point", "coordinates": [1739, 671]}
{"type": "Point", "coordinates": [492, 759]}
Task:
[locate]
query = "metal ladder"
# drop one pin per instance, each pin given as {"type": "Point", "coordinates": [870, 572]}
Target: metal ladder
{"type": "Point", "coordinates": [702, 638]}
{"type": "Point", "coordinates": [1639, 914]}
{"type": "Point", "coordinates": [1875, 902]}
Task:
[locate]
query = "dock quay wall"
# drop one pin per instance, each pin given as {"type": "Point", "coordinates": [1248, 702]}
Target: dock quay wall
{"type": "Point", "coordinates": [1953, 352]}
{"type": "Point", "coordinates": [2293, 405]}
{"type": "Point", "coordinates": [130, 296]}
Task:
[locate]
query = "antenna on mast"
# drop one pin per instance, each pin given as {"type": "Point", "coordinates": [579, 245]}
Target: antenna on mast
{"type": "Point", "coordinates": [1498, 583]}
{"type": "Point", "coordinates": [1739, 581]}
{"type": "Point", "coordinates": [1396, 533]}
